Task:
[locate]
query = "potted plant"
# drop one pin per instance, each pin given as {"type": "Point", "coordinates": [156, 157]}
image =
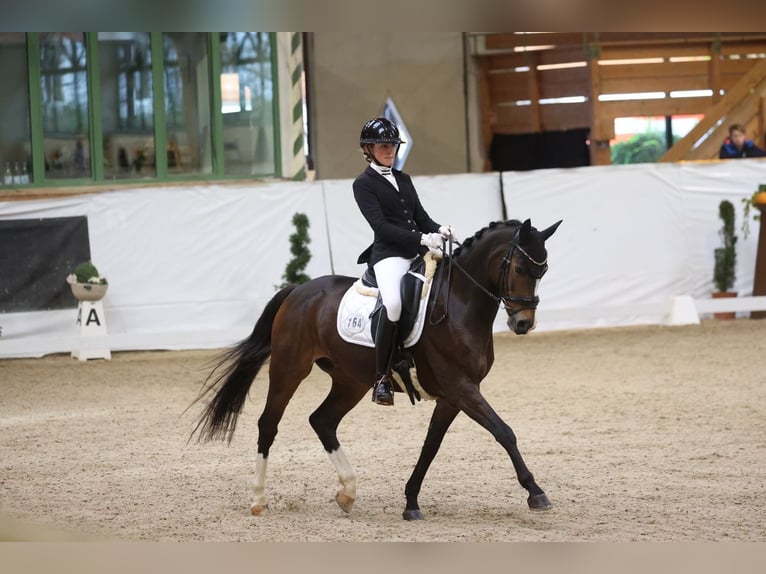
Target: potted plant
{"type": "Point", "coordinates": [294, 272]}
{"type": "Point", "coordinates": [86, 282]}
{"type": "Point", "coordinates": [725, 272]}
{"type": "Point", "coordinates": [757, 199]}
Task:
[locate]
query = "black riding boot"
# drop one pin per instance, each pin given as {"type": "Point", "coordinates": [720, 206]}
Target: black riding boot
{"type": "Point", "coordinates": [385, 343]}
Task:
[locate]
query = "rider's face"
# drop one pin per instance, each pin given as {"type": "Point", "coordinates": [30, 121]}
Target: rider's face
{"type": "Point", "coordinates": [384, 153]}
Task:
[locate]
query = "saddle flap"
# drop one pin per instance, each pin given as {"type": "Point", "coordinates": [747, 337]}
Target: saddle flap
{"type": "Point", "coordinates": [357, 314]}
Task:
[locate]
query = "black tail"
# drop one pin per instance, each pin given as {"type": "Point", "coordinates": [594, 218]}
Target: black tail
{"type": "Point", "coordinates": [232, 375]}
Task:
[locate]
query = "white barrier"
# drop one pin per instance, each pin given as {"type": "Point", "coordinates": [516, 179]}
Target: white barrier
{"type": "Point", "coordinates": [731, 304]}
{"type": "Point", "coordinates": [679, 310]}
{"type": "Point", "coordinates": [194, 266]}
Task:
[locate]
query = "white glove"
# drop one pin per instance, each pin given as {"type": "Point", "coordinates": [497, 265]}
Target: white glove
{"type": "Point", "coordinates": [446, 232]}
{"type": "Point", "coordinates": [431, 240]}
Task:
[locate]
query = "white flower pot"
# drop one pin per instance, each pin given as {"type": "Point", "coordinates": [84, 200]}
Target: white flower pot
{"type": "Point", "coordinates": [88, 291]}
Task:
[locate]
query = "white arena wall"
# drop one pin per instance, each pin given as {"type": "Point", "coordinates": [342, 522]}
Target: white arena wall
{"type": "Point", "coordinates": [192, 267]}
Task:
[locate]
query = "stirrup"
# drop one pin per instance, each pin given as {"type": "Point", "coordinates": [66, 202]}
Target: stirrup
{"type": "Point", "coordinates": [383, 391]}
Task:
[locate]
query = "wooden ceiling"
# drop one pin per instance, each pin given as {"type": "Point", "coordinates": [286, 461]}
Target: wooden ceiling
{"type": "Point", "coordinates": [532, 82]}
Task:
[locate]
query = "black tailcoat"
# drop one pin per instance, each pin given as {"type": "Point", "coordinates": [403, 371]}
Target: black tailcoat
{"type": "Point", "coordinates": [397, 218]}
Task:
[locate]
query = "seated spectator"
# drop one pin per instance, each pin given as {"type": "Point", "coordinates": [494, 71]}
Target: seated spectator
{"type": "Point", "coordinates": [737, 145]}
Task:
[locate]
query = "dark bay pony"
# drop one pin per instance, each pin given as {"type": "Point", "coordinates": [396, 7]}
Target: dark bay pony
{"type": "Point", "coordinates": [500, 265]}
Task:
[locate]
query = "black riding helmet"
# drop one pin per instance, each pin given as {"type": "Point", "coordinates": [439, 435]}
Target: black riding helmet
{"type": "Point", "coordinates": [378, 130]}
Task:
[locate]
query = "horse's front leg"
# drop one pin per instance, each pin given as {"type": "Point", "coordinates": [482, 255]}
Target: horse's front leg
{"type": "Point", "coordinates": [441, 419]}
{"type": "Point", "coordinates": [476, 406]}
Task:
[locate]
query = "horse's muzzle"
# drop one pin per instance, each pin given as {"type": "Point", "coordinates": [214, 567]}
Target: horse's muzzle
{"type": "Point", "coordinates": [520, 326]}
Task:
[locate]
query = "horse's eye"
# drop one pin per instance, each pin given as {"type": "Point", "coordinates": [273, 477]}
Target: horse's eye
{"type": "Point", "coordinates": [519, 270]}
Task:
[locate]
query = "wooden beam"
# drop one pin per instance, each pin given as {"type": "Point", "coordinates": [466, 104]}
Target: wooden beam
{"type": "Point", "coordinates": [534, 94]}
{"type": "Point", "coordinates": [510, 41]}
{"type": "Point", "coordinates": [714, 73]}
{"type": "Point", "coordinates": [745, 47]}
{"type": "Point", "coordinates": [744, 113]}
{"type": "Point", "coordinates": [658, 70]}
{"type": "Point", "coordinates": [488, 113]}
{"type": "Point", "coordinates": [546, 57]}
{"type": "Point", "coordinates": [561, 83]}
{"type": "Point", "coordinates": [512, 120]}
{"type": "Point", "coordinates": [505, 41]}
{"type": "Point", "coordinates": [664, 107]}
{"type": "Point", "coordinates": [755, 77]}
{"type": "Point", "coordinates": [600, 154]}
{"type": "Point", "coordinates": [738, 67]}
{"type": "Point", "coordinates": [649, 84]}
{"type": "Point", "coordinates": [507, 88]}
{"type": "Point", "coordinates": [661, 51]}
{"type": "Point", "coordinates": [554, 117]}
{"type": "Point", "coordinates": [760, 136]}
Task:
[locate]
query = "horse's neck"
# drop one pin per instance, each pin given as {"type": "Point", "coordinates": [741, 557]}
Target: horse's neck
{"type": "Point", "coordinates": [477, 300]}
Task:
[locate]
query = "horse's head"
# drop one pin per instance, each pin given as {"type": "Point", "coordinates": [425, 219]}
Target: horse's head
{"type": "Point", "coordinates": [523, 264]}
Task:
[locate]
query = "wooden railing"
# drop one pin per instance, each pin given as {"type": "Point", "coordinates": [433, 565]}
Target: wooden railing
{"type": "Point", "coordinates": [743, 104]}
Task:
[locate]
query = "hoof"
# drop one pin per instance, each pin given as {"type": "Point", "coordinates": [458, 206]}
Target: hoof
{"type": "Point", "coordinates": [259, 509]}
{"type": "Point", "coordinates": [413, 515]}
{"type": "Point", "coordinates": [345, 502]}
{"type": "Point", "coordinates": [539, 502]}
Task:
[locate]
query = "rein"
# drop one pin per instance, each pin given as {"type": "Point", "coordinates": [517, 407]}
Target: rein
{"type": "Point", "coordinates": [504, 300]}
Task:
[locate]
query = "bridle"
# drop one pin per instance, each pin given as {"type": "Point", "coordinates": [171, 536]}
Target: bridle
{"type": "Point", "coordinates": [537, 269]}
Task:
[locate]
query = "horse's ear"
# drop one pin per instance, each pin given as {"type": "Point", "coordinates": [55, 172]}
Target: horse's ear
{"type": "Point", "coordinates": [525, 227]}
{"type": "Point", "coordinates": [546, 233]}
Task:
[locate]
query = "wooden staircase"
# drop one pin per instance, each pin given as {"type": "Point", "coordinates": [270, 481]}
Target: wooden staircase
{"type": "Point", "coordinates": [744, 103]}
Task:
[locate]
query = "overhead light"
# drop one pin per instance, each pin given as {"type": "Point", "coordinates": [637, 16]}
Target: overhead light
{"type": "Point", "coordinates": [675, 59]}
{"type": "Point", "coordinates": [532, 48]}
{"type": "Point", "coordinates": [631, 61]}
{"type": "Point", "coordinates": [562, 66]}
{"type": "Point", "coordinates": [632, 96]}
{"type": "Point", "coordinates": [691, 93]}
{"type": "Point", "coordinates": [564, 100]}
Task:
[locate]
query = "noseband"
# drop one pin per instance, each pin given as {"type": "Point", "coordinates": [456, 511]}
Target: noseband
{"type": "Point", "coordinates": [536, 270]}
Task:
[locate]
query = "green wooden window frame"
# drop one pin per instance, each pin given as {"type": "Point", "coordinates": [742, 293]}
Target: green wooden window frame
{"type": "Point", "coordinates": [38, 178]}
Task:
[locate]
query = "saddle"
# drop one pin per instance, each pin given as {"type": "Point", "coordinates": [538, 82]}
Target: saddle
{"type": "Point", "coordinates": [411, 288]}
{"type": "Point", "coordinates": [359, 314]}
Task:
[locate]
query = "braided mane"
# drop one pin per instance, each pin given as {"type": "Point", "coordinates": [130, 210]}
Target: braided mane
{"type": "Point", "coordinates": [469, 241]}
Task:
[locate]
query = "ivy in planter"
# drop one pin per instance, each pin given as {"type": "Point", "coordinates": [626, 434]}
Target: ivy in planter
{"type": "Point", "coordinates": [757, 198]}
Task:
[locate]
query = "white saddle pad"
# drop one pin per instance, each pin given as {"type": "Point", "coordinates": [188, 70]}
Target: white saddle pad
{"type": "Point", "coordinates": [354, 324]}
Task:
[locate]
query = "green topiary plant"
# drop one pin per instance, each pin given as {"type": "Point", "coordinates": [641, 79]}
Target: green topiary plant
{"type": "Point", "coordinates": [86, 272]}
{"type": "Point", "coordinates": [301, 255]}
{"type": "Point", "coordinates": [724, 272]}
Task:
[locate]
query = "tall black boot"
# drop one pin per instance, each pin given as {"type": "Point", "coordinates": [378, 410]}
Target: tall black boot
{"type": "Point", "coordinates": [385, 343]}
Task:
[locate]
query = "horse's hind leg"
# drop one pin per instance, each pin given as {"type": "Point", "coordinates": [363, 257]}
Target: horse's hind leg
{"type": "Point", "coordinates": [344, 395]}
{"type": "Point", "coordinates": [283, 382]}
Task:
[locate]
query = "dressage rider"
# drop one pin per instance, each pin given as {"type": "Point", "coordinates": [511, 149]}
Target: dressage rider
{"type": "Point", "coordinates": [403, 230]}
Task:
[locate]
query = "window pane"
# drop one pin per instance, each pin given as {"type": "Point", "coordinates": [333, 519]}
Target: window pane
{"type": "Point", "coordinates": [683, 124]}
{"type": "Point", "coordinates": [15, 146]}
{"type": "Point", "coordinates": [64, 86]}
{"type": "Point", "coordinates": [247, 96]}
{"type": "Point", "coordinates": [187, 102]}
{"type": "Point", "coordinates": [638, 139]}
{"type": "Point", "coordinates": [127, 109]}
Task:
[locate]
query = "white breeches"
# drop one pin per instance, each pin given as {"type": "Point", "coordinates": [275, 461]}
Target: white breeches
{"type": "Point", "coordinates": [389, 273]}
